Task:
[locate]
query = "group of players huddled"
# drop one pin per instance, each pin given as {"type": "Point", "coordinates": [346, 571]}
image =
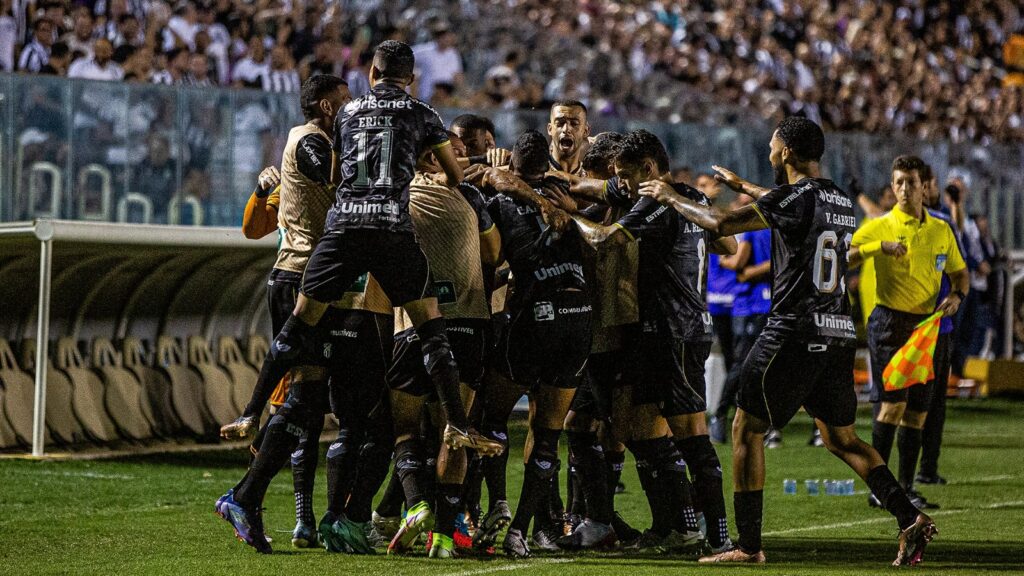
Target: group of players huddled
{"type": "Point", "coordinates": [394, 309]}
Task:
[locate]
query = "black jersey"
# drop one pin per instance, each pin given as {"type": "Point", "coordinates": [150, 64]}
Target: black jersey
{"type": "Point", "coordinates": [378, 138]}
{"type": "Point", "coordinates": [672, 274]}
{"type": "Point", "coordinates": [812, 225]}
{"type": "Point", "coordinates": [543, 262]}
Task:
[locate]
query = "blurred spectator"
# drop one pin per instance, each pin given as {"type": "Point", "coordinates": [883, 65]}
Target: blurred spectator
{"type": "Point", "coordinates": [358, 78]}
{"type": "Point", "coordinates": [80, 38]}
{"type": "Point", "coordinates": [157, 175]}
{"type": "Point", "coordinates": [60, 59]}
{"type": "Point", "coordinates": [8, 36]}
{"type": "Point", "coordinates": [282, 76]}
{"type": "Point", "coordinates": [98, 67]}
{"type": "Point", "coordinates": [437, 61]}
{"type": "Point", "coordinates": [198, 72]}
{"type": "Point", "coordinates": [250, 70]}
{"type": "Point", "coordinates": [36, 53]}
{"type": "Point", "coordinates": [176, 67]}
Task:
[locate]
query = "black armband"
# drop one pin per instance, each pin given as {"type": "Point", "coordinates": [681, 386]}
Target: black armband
{"type": "Point", "coordinates": [259, 192]}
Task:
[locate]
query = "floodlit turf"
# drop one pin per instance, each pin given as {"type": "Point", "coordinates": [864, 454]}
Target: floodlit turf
{"type": "Point", "coordinates": [154, 516]}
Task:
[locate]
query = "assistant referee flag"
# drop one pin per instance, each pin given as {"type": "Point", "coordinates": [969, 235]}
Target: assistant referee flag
{"type": "Point", "coordinates": [913, 362]}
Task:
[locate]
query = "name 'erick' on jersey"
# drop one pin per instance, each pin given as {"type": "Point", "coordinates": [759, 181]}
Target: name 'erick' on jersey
{"type": "Point", "coordinates": [812, 224]}
{"type": "Point", "coordinates": [377, 139]}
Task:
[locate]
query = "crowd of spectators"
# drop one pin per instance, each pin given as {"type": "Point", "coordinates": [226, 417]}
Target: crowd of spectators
{"type": "Point", "coordinates": [930, 69]}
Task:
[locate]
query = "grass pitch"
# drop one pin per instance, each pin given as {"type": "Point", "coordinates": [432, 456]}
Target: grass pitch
{"type": "Point", "coordinates": [154, 516]}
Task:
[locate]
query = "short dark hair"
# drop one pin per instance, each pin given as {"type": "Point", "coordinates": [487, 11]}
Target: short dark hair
{"type": "Point", "coordinates": [803, 137]}
{"type": "Point", "coordinates": [926, 172]}
{"type": "Point", "coordinates": [602, 151]}
{"type": "Point", "coordinates": [640, 145]}
{"type": "Point", "coordinates": [909, 163]}
{"type": "Point", "coordinates": [394, 60]}
{"type": "Point", "coordinates": [315, 89]}
{"type": "Point", "coordinates": [59, 50]}
{"type": "Point", "coordinates": [472, 123]}
{"type": "Point", "coordinates": [530, 153]}
{"type": "Point", "coordinates": [40, 22]}
{"type": "Point", "coordinates": [569, 104]}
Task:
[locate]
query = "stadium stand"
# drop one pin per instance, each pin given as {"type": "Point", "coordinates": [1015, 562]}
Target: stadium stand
{"type": "Point", "coordinates": [928, 69]}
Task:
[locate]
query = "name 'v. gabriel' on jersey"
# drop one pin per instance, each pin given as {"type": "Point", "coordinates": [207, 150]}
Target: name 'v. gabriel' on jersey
{"type": "Point", "coordinates": [812, 224]}
{"type": "Point", "coordinates": [378, 138]}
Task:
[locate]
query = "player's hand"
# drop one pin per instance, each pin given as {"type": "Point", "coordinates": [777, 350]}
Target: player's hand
{"type": "Point", "coordinates": [554, 216]}
{"type": "Point", "coordinates": [657, 189]}
{"type": "Point", "coordinates": [742, 275]}
{"type": "Point", "coordinates": [559, 175]}
{"type": "Point", "coordinates": [894, 249]}
{"type": "Point", "coordinates": [474, 174]}
{"type": "Point", "coordinates": [269, 179]}
{"type": "Point", "coordinates": [498, 157]}
{"type": "Point", "coordinates": [950, 304]}
{"type": "Point", "coordinates": [729, 178]}
{"type": "Point", "coordinates": [555, 191]}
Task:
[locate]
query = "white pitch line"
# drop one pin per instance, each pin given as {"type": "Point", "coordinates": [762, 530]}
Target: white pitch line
{"type": "Point", "coordinates": [980, 479]}
{"type": "Point", "coordinates": [511, 567]}
{"type": "Point", "coordinates": [995, 506]}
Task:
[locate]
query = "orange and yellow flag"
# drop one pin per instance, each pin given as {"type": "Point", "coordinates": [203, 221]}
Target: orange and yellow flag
{"type": "Point", "coordinates": [913, 362]}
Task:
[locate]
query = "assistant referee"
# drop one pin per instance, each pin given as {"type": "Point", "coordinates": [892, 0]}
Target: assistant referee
{"type": "Point", "coordinates": [911, 251]}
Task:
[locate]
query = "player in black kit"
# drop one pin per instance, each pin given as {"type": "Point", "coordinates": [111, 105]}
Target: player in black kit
{"type": "Point", "coordinates": [378, 139]}
{"type": "Point", "coordinates": [675, 342]}
{"type": "Point", "coordinates": [804, 357]}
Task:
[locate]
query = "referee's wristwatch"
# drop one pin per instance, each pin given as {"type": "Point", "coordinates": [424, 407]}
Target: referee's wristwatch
{"type": "Point", "coordinates": [961, 294]}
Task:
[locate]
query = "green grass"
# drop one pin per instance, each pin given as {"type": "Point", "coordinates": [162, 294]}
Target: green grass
{"type": "Point", "coordinates": [154, 516]}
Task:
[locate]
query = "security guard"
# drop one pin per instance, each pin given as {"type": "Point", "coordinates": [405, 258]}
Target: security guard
{"type": "Point", "coordinates": [911, 250]}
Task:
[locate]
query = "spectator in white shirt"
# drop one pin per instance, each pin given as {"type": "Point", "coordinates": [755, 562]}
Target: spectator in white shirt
{"type": "Point", "coordinates": [80, 39]}
{"type": "Point", "coordinates": [100, 66]}
{"type": "Point", "coordinates": [36, 53]}
{"type": "Point", "coordinates": [437, 62]}
{"type": "Point", "coordinates": [8, 36]}
{"type": "Point", "coordinates": [249, 71]}
{"type": "Point", "coordinates": [181, 28]}
{"type": "Point", "coordinates": [282, 76]}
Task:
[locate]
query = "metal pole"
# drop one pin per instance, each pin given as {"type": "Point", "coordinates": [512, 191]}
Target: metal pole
{"type": "Point", "coordinates": [42, 343]}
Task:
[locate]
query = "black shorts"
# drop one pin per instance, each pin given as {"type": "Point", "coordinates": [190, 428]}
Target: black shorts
{"type": "Point", "coordinates": [357, 344]}
{"type": "Point", "coordinates": [467, 337]}
{"type": "Point", "coordinates": [547, 341]}
{"type": "Point", "coordinates": [888, 331]}
{"type": "Point", "coordinates": [605, 372]}
{"type": "Point", "coordinates": [282, 289]}
{"type": "Point", "coordinates": [670, 374]}
{"type": "Point", "coordinates": [395, 260]}
{"type": "Point", "coordinates": [782, 374]}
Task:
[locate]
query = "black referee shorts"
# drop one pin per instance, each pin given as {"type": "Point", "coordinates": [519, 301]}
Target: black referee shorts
{"type": "Point", "coordinates": [782, 374]}
{"type": "Point", "coordinates": [670, 374]}
{"type": "Point", "coordinates": [394, 258]}
{"type": "Point", "coordinates": [547, 341]}
{"type": "Point", "coordinates": [468, 339]}
{"type": "Point", "coordinates": [888, 331]}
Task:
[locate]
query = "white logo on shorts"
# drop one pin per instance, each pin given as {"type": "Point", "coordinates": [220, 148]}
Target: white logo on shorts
{"type": "Point", "coordinates": [327, 350]}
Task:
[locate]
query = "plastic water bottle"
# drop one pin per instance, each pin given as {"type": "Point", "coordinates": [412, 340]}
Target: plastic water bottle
{"type": "Point", "coordinates": [789, 486]}
{"type": "Point", "coordinates": [848, 487]}
{"type": "Point", "coordinates": [813, 488]}
{"type": "Point", "coordinates": [830, 487]}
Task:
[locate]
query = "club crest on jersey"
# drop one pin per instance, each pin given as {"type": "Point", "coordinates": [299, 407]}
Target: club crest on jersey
{"type": "Point", "coordinates": [445, 292]}
{"type": "Point", "coordinates": [543, 311]}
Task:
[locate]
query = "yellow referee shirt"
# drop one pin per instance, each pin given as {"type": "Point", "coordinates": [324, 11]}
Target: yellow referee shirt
{"type": "Point", "coordinates": [911, 283]}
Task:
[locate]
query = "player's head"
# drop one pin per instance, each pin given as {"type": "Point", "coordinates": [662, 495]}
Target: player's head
{"type": "Point", "coordinates": [530, 156]}
{"type": "Point", "coordinates": [599, 161]}
{"type": "Point", "coordinates": [931, 186]}
{"type": "Point", "coordinates": [458, 146]}
{"type": "Point", "coordinates": [797, 142]}
{"type": "Point", "coordinates": [568, 128]}
{"type": "Point", "coordinates": [393, 62]}
{"type": "Point", "coordinates": [707, 184]}
{"type": "Point", "coordinates": [641, 157]}
{"type": "Point", "coordinates": [906, 182]}
{"type": "Point", "coordinates": [477, 133]}
{"type": "Point", "coordinates": [323, 96]}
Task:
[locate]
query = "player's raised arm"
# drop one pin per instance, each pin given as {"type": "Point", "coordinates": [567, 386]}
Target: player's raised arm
{"type": "Point", "coordinates": [730, 179]}
{"type": "Point", "coordinates": [504, 182]}
{"type": "Point", "coordinates": [450, 164]}
{"type": "Point", "coordinates": [710, 218]}
{"type": "Point", "coordinates": [260, 216]}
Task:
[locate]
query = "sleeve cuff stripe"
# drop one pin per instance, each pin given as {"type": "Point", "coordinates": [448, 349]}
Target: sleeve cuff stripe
{"type": "Point", "coordinates": [628, 233]}
{"type": "Point", "coordinates": [441, 145]}
{"type": "Point", "coordinates": [760, 214]}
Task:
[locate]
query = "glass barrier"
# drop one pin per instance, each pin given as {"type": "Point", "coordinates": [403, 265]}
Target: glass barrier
{"type": "Point", "coordinates": [123, 152]}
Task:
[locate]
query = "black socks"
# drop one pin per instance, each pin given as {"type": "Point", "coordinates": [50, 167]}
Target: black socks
{"type": "Point", "coordinates": [440, 364]}
{"type": "Point", "coordinates": [706, 473]}
{"type": "Point", "coordinates": [882, 436]}
{"type": "Point", "coordinates": [748, 507]}
{"type": "Point", "coordinates": [908, 440]}
{"type": "Point", "coordinates": [893, 498]}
